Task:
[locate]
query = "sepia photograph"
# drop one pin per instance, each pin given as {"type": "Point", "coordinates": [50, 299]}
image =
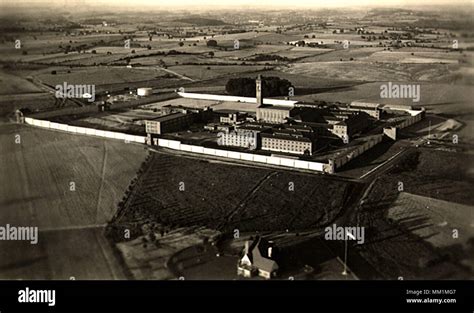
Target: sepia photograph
{"type": "Point", "coordinates": [304, 140]}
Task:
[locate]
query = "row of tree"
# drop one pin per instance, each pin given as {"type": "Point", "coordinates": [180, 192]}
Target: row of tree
{"type": "Point", "coordinates": [245, 87]}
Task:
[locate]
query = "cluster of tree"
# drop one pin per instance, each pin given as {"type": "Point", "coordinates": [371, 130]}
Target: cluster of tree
{"type": "Point", "coordinates": [268, 57]}
{"type": "Point", "coordinates": [245, 87]}
{"type": "Point", "coordinates": [199, 21]}
{"type": "Point", "coordinates": [211, 43]}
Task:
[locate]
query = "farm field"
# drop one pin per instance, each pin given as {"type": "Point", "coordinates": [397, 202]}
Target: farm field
{"type": "Point", "coordinates": [363, 71]}
{"type": "Point", "coordinates": [34, 101]}
{"type": "Point", "coordinates": [413, 56]}
{"type": "Point", "coordinates": [14, 84]}
{"type": "Point", "coordinates": [43, 166]}
{"type": "Point", "coordinates": [434, 215]}
{"type": "Point", "coordinates": [302, 52]}
{"type": "Point", "coordinates": [440, 98]}
{"type": "Point", "coordinates": [344, 54]}
{"type": "Point", "coordinates": [101, 76]}
{"type": "Point", "coordinates": [61, 254]}
{"type": "Point", "coordinates": [225, 196]}
{"type": "Point", "coordinates": [432, 173]}
{"type": "Point", "coordinates": [203, 72]}
{"type": "Point", "coordinates": [48, 44]}
{"type": "Point", "coordinates": [44, 172]}
{"type": "Point", "coordinates": [170, 60]}
{"type": "Point", "coordinates": [406, 231]}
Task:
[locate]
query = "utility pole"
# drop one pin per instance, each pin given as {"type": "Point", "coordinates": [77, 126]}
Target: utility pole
{"type": "Point", "coordinates": [429, 131]}
{"type": "Point", "coordinates": [348, 234]}
{"type": "Point", "coordinates": [345, 258]}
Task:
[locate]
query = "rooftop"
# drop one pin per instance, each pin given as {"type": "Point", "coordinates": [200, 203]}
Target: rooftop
{"type": "Point", "coordinates": [253, 127]}
{"type": "Point", "coordinates": [257, 253]}
{"type": "Point", "coordinates": [168, 117]}
{"type": "Point", "coordinates": [274, 107]}
{"type": "Point", "coordinates": [285, 137]}
{"type": "Point", "coordinates": [362, 104]}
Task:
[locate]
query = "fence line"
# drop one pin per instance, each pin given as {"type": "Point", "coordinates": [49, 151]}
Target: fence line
{"type": "Point", "coordinates": [277, 102]}
{"type": "Point", "coordinates": [272, 160]}
{"type": "Point", "coordinates": [177, 145]}
{"type": "Point", "coordinates": [85, 130]}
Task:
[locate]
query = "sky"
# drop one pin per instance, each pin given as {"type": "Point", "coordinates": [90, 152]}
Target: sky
{"type": "Point", "coordinates": [249, 3]}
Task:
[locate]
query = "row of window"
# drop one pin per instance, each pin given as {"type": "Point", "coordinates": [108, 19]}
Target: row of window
{"type": "Point", "coordinates": [237, 142]}
{"type": "Point", "coordinates": [294, 148]}
{"type": "Point", "coordinates": [284, 142]}
{"type": "Point", "coordinates": [299, 151]}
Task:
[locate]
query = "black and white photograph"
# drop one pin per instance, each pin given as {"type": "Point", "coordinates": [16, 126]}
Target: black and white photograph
{"type": "Point", "coordinates": [253, 142]}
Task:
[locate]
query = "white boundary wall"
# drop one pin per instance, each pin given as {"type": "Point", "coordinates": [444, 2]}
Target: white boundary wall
{"type": "Point", "coordinates": [414, 118]}
{"type": "Point", "coordinates": [281, 161]}
{"type": "Point", "coordinates": [236, 99]}
{"type": "Point", "coordinates": [348, 156]}
{"type": "Point", "coordinates": [177, 145]}
{"type": "Point", "coordinates": [85, 131]}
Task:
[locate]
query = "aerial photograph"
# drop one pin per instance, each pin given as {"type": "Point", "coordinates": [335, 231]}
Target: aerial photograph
{"type": "Point", "coordinates": [236, 140]}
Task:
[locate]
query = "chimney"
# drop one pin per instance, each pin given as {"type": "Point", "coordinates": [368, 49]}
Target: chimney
{"type": "Point", "coordinates": [270, 249]}
{"type": "Point", "coordinates": [258, 85]}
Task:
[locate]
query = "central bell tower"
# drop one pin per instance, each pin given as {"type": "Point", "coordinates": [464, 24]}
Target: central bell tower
{"type": "Point", "coordinates": [258, 85]}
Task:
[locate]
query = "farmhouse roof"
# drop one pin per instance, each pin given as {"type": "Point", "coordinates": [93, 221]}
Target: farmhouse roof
{"type": "Point", "coordinates": [257, 252]}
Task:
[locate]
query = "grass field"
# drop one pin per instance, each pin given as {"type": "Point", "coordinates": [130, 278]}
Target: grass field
{"type": "Point", "coordinates": [42, 168]}
{"type": "Point", "coordinates": [224, 197]}
{"type": "Point", "coordinates": [13, 84]}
